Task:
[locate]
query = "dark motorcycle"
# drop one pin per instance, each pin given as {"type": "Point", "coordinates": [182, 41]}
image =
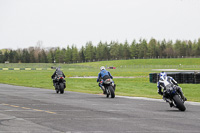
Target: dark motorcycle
{"type": "Point", "coordinates": [60, 84]}
{"type": "Point", "coordinates": [109, 87]}
{"type": "Point", "coordinates": [174, 96]}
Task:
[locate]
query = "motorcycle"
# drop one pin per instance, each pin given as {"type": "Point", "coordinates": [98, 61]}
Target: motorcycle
{"type": "Point", "coordinates": [109, 88]}
{"type": "Point", "coordinates": [60, 84]}
{"type": "Point", "coordinates": [174, 96]}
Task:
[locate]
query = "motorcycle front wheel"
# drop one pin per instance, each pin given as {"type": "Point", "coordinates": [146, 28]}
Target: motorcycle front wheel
{"type": "Point", "coordinates": [179, 103]}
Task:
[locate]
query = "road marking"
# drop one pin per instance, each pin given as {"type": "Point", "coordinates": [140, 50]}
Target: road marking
{"type": "Point", "coordinates": [25, 108]}
{"type": "Point", "coordinates": [50, 112]}
{"type": "Point", "coordinates": [38, 110]}
{"type": "Point", "coordinates": [5, 104]}
{"type": "Point", "coordinates": [14, 106]}
{"type": "Point", "coordinates": [157, 100]}
{"type": "Point", "coordinates": [29, 108]}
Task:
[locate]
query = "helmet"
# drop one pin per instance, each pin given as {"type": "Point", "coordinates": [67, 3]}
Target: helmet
{"type": "Point", "coordinates": [102, 68]}
{"type": "Point", "coordinates": [58, 69]}
{"type": "Point", "coordinates": [163, 75]}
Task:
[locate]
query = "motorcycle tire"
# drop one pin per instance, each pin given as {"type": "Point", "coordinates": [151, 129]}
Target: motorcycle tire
{"type": "Point", "coordinates": [61, 88]}
{"type": "Point", "coordinates": [107, 93]}
{"type": "Point", "coordinates": [112, 92]}
{"type": "Point", "coordinates": [179, 103]}
{"type": "Point", "coordinates": [57, 88]}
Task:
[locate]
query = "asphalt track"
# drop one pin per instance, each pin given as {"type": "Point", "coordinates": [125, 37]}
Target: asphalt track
{"type": "Point", "coordinates": [35, 110]}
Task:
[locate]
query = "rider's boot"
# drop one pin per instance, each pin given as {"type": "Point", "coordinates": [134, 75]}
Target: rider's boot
{"type": "Point", "coordinates": [103, 88]}
{"type": "Point", "coordinates": [181, 93]}
{"type": "Point", "coordinates": [183, 97]}
{"type": "Point", "coordinates": [169, 101]}
{"type": "Point", "coordinates": [114, 86]}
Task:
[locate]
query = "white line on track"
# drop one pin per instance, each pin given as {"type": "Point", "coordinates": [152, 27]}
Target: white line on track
{"type": "Point", "coordinates": [157, 100]}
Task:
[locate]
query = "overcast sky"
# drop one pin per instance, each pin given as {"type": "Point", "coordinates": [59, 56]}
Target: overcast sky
{"type": "Point", "coordinates": [65, 22]}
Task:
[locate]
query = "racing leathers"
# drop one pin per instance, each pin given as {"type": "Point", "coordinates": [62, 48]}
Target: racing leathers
{"type": "Point", "coordinates": [103, 75]}
{"type": "Point", "coordinates": [57, 73]}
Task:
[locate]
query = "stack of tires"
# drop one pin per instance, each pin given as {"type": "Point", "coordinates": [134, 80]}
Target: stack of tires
{"type": "Point", "coordinates": [197, 78]}
{"type": "Point", "coordinates": [180, 77]}
{"type": "Point", "coordinates": [153, 77]}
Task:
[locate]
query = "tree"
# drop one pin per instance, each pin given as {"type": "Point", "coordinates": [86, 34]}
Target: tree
{"type": "Point", "coordinates": [25, 56]}
{"type": "Point", "coordinates": [121, 49]}
{"type": "Point", "coordinates": [126, 50]}
{"type": "Point", "coordinates": [82, 54]}
{"type": "Point", "coordinates": [114, 50]}
{"type": "Point", "coordinates": [100, 51]}
{"type": "Point", "coordinates": [142, 49]}
{"type": "Point", "coordinates": [32, 54]}
{"type": "Point", "coordinates": [189, 49]}
{"type": "Point", "coordinates": [68, 54]}
{"type": "Point", "coordinates": [1, 57]}
{"type": "Point", "coordinates": [177, 48]}
{"type": "Point", "coordinates": [11, 56]}
{"type": "Point", "coordinates": [197, 52]}
{"type": "Point", "coordinates": [51, 56]}
{"type": "Point", "coordinates": [43, 57]}
{"type": "Point", "coordinates": [169, 49]}
{"type": "Point", "coordinates": [106, 51]}
{"type": "Point", "coordinates": [161, 49]}
{"type": "Point", "coordinates": [134, 49]}
{"type": "Point", "coordinates": [75, 55]}
{"type": "Point", "coordinates": [59, 55]}
{"type": "Point", "coordinates": [153, 48]}
{"type": "Point", "coordinates": [89, 52]}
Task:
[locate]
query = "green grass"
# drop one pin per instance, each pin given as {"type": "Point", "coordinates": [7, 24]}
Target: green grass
{"type": "Point", "coordinates": [138, 86]}
{"type": "Point", "coordinates": [133, 63]}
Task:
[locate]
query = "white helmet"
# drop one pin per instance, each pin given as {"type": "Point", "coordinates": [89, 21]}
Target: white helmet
{"type": "Point", "coordinates": [102, 68]}
{"type": "Point", "coordinates": [163, 75]}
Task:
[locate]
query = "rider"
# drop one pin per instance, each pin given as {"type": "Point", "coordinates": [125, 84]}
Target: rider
{"type": "Point", "coordinates": [161, 85]}
{"type": "Point", "coordinates": [55, 75]}
{"type": "Point", "coordinates": [103, 75]}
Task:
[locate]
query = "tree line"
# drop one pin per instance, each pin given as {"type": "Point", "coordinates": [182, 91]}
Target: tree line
{"type": "Point", "coordinates": [103, 51]}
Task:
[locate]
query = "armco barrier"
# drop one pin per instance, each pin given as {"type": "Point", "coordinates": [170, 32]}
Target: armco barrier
{"type": "Point", "coordinates": [180, 77]}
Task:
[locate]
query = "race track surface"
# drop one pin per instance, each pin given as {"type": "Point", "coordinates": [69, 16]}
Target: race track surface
{"type": "Point", "coordinates": [35, 110]}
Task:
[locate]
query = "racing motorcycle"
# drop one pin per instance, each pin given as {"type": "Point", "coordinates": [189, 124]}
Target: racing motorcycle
{"type": "Point", "coordinates": [173, 96]}
{"type": "Point", "coordinates": [60, 84]}
{"type": "Point", "coordinates": [109, 87]}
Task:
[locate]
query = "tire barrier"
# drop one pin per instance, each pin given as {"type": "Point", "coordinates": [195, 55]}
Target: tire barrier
{"type": "Point", "coordinates": [180, 77]}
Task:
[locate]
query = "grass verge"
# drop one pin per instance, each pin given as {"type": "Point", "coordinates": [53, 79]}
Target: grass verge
{"type": "Point", "coordinates": [138, 86]}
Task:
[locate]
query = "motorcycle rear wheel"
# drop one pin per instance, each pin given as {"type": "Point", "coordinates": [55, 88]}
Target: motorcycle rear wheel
{"type": "Point", "coordinates": [61, 88]}
{"type": "Point", "coordinates": [57, 88]}
{"type": "Point", "coordinates": [112, 92]}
